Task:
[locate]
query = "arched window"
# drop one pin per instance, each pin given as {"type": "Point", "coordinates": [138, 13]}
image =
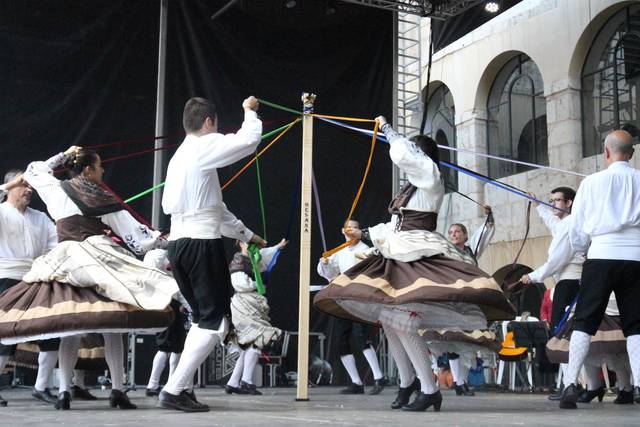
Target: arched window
{"type": "Point", "coordinates": [517, 117]}
{"type": "Point", "coordinates": [610, 81]}
{"type": "Point", "coordinates": [440, 126]}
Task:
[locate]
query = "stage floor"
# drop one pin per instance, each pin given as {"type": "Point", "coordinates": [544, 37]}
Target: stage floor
{"type": "Point", "coordinates": [326, 407]}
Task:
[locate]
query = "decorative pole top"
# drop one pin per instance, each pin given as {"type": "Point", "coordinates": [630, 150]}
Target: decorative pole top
{"type": "Point", "coordinates": [307, 102]}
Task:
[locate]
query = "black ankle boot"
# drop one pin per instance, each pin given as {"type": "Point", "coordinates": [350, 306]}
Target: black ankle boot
{"type": "Point", "coordinates": [121, 400]}
{"type": "Point", "coordinates": [588, 395]}
{"type": "Point", "coordinates": [636, 394]}
{"type": "Point", "coordinates": [463, 390]}
{"type": "Point", "coordinates": [404, 394]}
{"type": "Point", "coordinates": [423, 401]}
{"type": "Point", "coordinates": [569, 397]}
{"type": "Point", "coordinates": [624, 397]}
{"type": "Point", "coordinates": [353, 389]}
{"type": "Point", "coordinates": [64, 401]}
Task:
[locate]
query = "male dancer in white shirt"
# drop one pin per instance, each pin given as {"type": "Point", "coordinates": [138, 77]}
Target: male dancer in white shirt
{"type": "Point", "coordinates": [563, 263]}
{"type": "Point", "coordinates": [606, 224]}
{"type": "Point", "coordinates": [199, 219]}
{"type": "Point", "coordinates": [25, 234]}
{"type": "Point", "coordinates": [330, 268]}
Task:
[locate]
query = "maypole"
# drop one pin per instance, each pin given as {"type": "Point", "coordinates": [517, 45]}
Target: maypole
{"type": "Point", "coordinates": [305, 246]}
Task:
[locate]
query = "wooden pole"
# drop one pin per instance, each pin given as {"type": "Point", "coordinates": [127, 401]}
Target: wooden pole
{"type": "Point", "coordinates": [305, 247]}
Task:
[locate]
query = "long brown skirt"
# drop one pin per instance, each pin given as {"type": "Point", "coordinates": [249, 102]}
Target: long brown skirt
{"type": "Point", "coordinates": [51, 309]}
{"type": "Point", "coordinates": [90, 355]}
{"type": "Point", "coordinates": [608, 339]}
{"type": "Point", "coordinates": [437, 279]}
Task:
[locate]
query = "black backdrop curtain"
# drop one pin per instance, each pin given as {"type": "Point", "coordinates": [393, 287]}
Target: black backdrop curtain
{"type": "Point", "coordinates": [84, 73]}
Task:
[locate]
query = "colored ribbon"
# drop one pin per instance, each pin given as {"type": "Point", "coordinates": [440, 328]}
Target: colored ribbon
{"type": "Point", "coordinates": [265, 136]}
{"type": "Point", "coordinates": [283, 130]}
{"type": "Point", "coordinates": [326, 254]}
{"type": "Point", "coordinates": [255, 257]}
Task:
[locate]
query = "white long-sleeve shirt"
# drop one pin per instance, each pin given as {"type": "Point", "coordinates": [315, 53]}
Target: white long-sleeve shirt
{"type": "Point", "coordinates": [421, 171]}
{"type": "Point", "coordinates": [480, 239]}
{"type": "Point", "coordinates": [606, 213]}
{"type": "Point", "coordinates": [39, 175]}
{"type": "Point", "coordinates": [340, 261]}
{"type": "Point", "coordinates": [24, 236]}
{"type": "Point", "coordinates": [192, 194]}
{"type": "Point", "coordinates": [563, 262]}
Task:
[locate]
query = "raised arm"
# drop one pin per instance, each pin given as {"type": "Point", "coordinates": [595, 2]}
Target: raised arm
{"type": "Point", "coordinates": [420, 169]}
{"type": "Point", "coordinates": [218, 151]}
{"type": "Point", "coordinates": [480, 239]}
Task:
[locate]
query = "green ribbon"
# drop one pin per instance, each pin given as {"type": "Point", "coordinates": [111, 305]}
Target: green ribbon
{"type": "Point", "coordinates": [261, 201]}
{"type": "Point", "coordinates": [279, 107]}
{"type": "Point", "coordinates": [255, 258]}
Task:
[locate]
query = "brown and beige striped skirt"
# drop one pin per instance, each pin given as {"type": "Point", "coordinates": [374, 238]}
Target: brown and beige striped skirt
{"type": "Point", "coordinates": [90, 354]}
{"type": "Point", "coordinates": [51, 309]}
{"type": "Point", "coordinates": [608, 339]}
{"type": "Point", "coordinates": [437, 279]}
{"type": "Point", "coordinates": [443, 299]}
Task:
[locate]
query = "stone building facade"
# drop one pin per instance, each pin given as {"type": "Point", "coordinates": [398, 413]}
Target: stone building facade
{"type": "Point", "coordinates": [542, 82]}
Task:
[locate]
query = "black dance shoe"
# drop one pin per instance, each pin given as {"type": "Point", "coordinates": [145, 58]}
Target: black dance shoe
{"type": "Point", "coordinates": [378, 386]}
{"type": "Point", "coordinates": [404, 394]}
{"type": "Point", "coordinates": [353, 389]}
{"type": "Point", "coordinates": [569, 397]}
{"type": "Point", "coordinates": [121, 400]}
{"type": "Point", "coordinates": [181, 402]}
{"type": "Point", "coordinates": [250, 388]}
{"type": "Point", "coordinates": [229, 389]}
{"type": "Point", "coordinates": [150, 392]}
{"type": "Point", "coordinates": [44, 396]}
{"type": "Point", "coordinates": [3, 402]}
{"type": "Point", "coordinates": [463, 390]}
{"type": "Point", "coordinates": [423, 401]}
{"type": "Point", "coordinates": [64, 401]}
{"type": "Point", "coordinates": [588, 395]}
{"type": "Point", "coordinates": [636, 394]}
{"type": "Point", "coordinates": [624, 397]}
{"type": "Point", "coordinates": [191, 394]}
{"type": "Point", "coordinates": [80, 393]}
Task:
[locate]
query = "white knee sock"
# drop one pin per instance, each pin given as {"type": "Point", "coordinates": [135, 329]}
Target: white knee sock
{"type": "Point", "coordinates": [251, 357]}
{"type": "Point", "coordinates": [159, 363]}
{"type": "Point", "coordinates": [173, 362]}
{"type": "Point", "coordinates": [236, 375]}
{"type": "Point", "coordinates": [349, 363]}
{"type": "Point", "coordinates": [633, 348]}
{"type": "Point", "coordinates": [400, 357]}
{"type": "Point", "coordinates": [593, 376]}
{"type": "Point", "coordinates": [370, 354]}
{"type": "Point", "coordinates": [456, 371]}
{"type": "Point", "coordinates": [578, 350]}
{"type": "Point", "coordinates": [198, 345]}
{"type": "Point", "coordinates": [418, 354]}
{"type": "Point", "coordinates": [68, 356]}
{"type": "Point", "coordinates": [46, 362]}
{"type": "Point", "coordinates": [114, 354]}
{"type": "Point", "coordinates": [3, 362]}
{"type": "Point", "coordinates": [78, 378]}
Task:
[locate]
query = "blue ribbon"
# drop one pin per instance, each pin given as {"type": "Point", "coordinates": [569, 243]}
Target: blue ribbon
{"type": "Point", "coordinates": [565, 316]}
{"type": "Point", "coordinates": [449, 165]}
